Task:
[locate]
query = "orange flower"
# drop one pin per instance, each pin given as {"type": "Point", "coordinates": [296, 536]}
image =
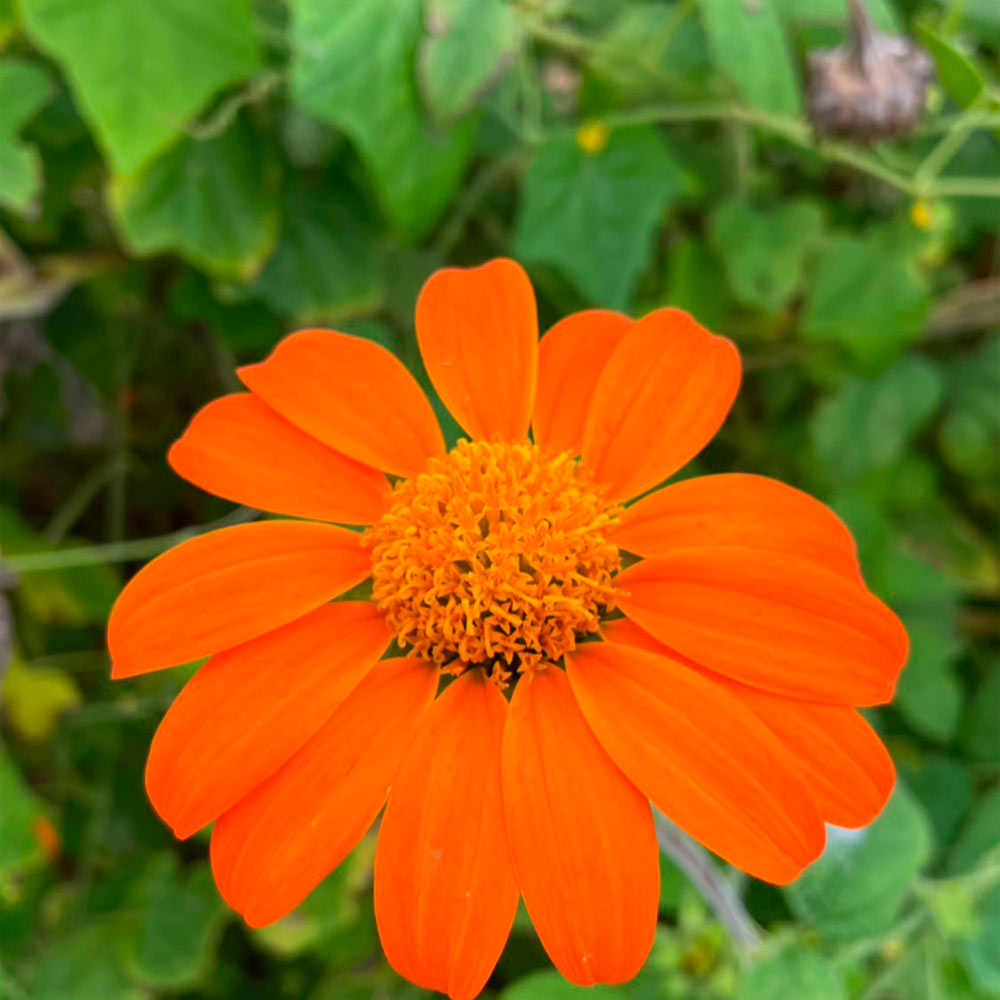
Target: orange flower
{"type": "Point", "coordinates": [725, 695]}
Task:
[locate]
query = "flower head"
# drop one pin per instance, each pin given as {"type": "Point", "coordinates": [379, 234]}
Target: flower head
{"type": "Point", "coordinates": [564, 653]}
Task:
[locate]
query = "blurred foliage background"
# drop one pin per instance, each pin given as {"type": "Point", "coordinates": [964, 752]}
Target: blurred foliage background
{"type": "Point", "coordinates": [184, 181]}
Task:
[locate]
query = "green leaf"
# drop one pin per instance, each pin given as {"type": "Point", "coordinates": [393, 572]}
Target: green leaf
{"type": "Point", "coordinates": [870, 302]}
{"type": "Point", "coordinates": [979, 835]}
{"type": "Point", "coordinates": [142, 71]}
{"type": "Point", "coordinates": [764, 250]}
{"type": "Point", "coordinates": [868, 422]}
{"type": "Point", "coordinates": [209, 200]}
{"type": "Point", "coordinates": [552, 986]}
{"type": "Point", "coordinates": [749, 46]}
{"type": "Point", "coordinates": [326, 265]}
{"type": "Point", "coordinates": [695, 282]}
{"type": "Point", "coordinates": [374, 100]}
{"type": "Point", "coordinates": [929, 695]}
{"type": "Point", "coordinates": [832, 13]}
{"type": "Point", "coordinates": [24, 89]}
{"type": "Point", "coordinates": [958, 74]}
{"type": "Point", "coordinates": [83, 965]}
{"type": "Point", "coordinates": [857, 886]}
{"type": "Point", "coordinates": [980, 952]}
{"type": "Point", "coordinates": [980, 732]}
{"type": "Point", "coordinates": [795, 971]}
{"type": "Point", "coordinates": [593, 215]}
{"type": "Point", "coordinates": [471, 42]}
{"type": "Point", "coordinates": [171, 941]}
{"type": "Point", "coordinates": [944, 787]}
{"type": "Point", "coordinates": [20, 846]}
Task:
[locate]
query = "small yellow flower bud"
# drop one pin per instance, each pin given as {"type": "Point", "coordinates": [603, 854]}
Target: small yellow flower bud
{"type": "Point", "coordinates": [592, 137]}
{"type": "Point", "coordinates": [920, 214]}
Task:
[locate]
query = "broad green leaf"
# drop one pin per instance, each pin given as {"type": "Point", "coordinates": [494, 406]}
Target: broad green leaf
{"type": "Point", "coordinates": [834, 14]}
{"type": "Point", "coordinates": [980, 951]}
{"type": "Point", "coordinates": [970, 432]}
{"type": "Point", "coordinates": [868, 422]}
{"type": "Point", "coordinates": [20, 845]}
{"type": "Point", "coordinates": [650, 48]}
{"type": "Point", "coordinates": [944, 787]}
{"type": "Point", "coordinates": [142, 71]}
{"type": "Point", "coordinates": [980, 732]}
{"type": "Point", "coordinates": [960, 77]}
{"type": "Point", "coordinates": [592, 215]}
{"type": "Point", "coordinates": [83, 964]}
{"type": "Point", "coordinates": [764, 250]}
{"type": "Point", "coordinates": [33, 698]}
{"type": "Point", "coordinates": [209, 200]}
{"type": "Point", "coordinates": [415, 171]}
{"type": "Point", "coordinates": [857, 886]}
{"type": "Point", "coordinates": [868, 301]}
{"type": "Point", "coordinates": [552, 986]}
{"type": "Point", "coordinates": [749, 46]}
{"type": "Point", "coordinates": [795, 971]}
{"type": "Point", "coordinates": [695, 281]}
{"type": "Point", "coordinates": [979, 835]}
{"type": "Point", "coordinates": [24, 88]}
{"type": "Point", "coordinates": [470, 43]}
{"type": "Point", "coordinates": [178, 918]}
{"type": "Point", "coordinates": [326, 265]}
{"type": "Point", "coordinates": [929, 694]}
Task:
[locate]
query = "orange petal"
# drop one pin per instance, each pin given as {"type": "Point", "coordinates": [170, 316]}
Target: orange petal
{"type": "Point", "coordinates": [249, 709]}
{"type": "Point", "coordinates": [847, 770]}
{"type": "Point", "coordinates": [663, 394]}
{"type": "Point", "coordinates": [353, 395]}
{"type": "Point", "coordinates": [445, 894]}
{"type": "Point", "coordinates": [702, 757]}
{"type": "Point", "coordinates": [770, 620]}
{"type": "Point", "coordinates": [478, 335]}
{"type": "Point", "coordinates": [581, 837]}
{"type": "Point", "coordinates": [571, 357]}
{"type": "Point", "coordinates": [737, 509]}
{"type": "Point", "coordinates": [274, 846]}
{"type": "Point", "coordinates": [228, 586]}
{"type": "Point", "coordinates": [240, 449]}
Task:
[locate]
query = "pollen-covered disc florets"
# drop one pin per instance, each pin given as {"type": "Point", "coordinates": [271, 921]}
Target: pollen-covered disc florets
{"type": "Point", "coordinates": [496, 556]}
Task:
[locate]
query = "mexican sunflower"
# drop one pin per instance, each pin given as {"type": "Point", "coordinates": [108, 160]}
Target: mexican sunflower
{"type": "Point", "coordinates": [559, 656]}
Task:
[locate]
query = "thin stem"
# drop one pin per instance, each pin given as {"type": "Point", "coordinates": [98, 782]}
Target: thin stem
{"type": "Point", "coordinates": [117, 552]}
{"type": "Point", "coordinates": [694, 861]}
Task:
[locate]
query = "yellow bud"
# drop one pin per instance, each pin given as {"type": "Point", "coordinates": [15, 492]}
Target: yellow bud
{"type": "Point", "coordinates": [920, 214]}
{"type": "Point", "coordinates": [592, 137]}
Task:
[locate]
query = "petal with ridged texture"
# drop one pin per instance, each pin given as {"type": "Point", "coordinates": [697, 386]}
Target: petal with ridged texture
{"type": "Point", "coordinates": [223, 588]}
{"type": "Point", "coordinates": [663, 394]}
{"type": "Point", "coordinates": [249, 709]}
{"type": "Point", "coordinates": [353, 395]}
{"type": "Point", "coordinates": [741, 510]}
{"type": "Point", "coordinates": [847, 769]}
{"type": "Point", "coordinates": [445, 895]}
{"type": "Point", "coordinates": [571, 811]}
{"type": "Point", "coordinates": [571, 357]}
{"type": "Point", "coordinates": [478, 334]}
{"type": "Point", "coordinates": [701, 757]}
{"type": "Point", "coordinates": [770, 620]}
{"type": "Point", "coordinates": [275, 845]}
{"type": "Point", "coordinates": [238, 448]}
